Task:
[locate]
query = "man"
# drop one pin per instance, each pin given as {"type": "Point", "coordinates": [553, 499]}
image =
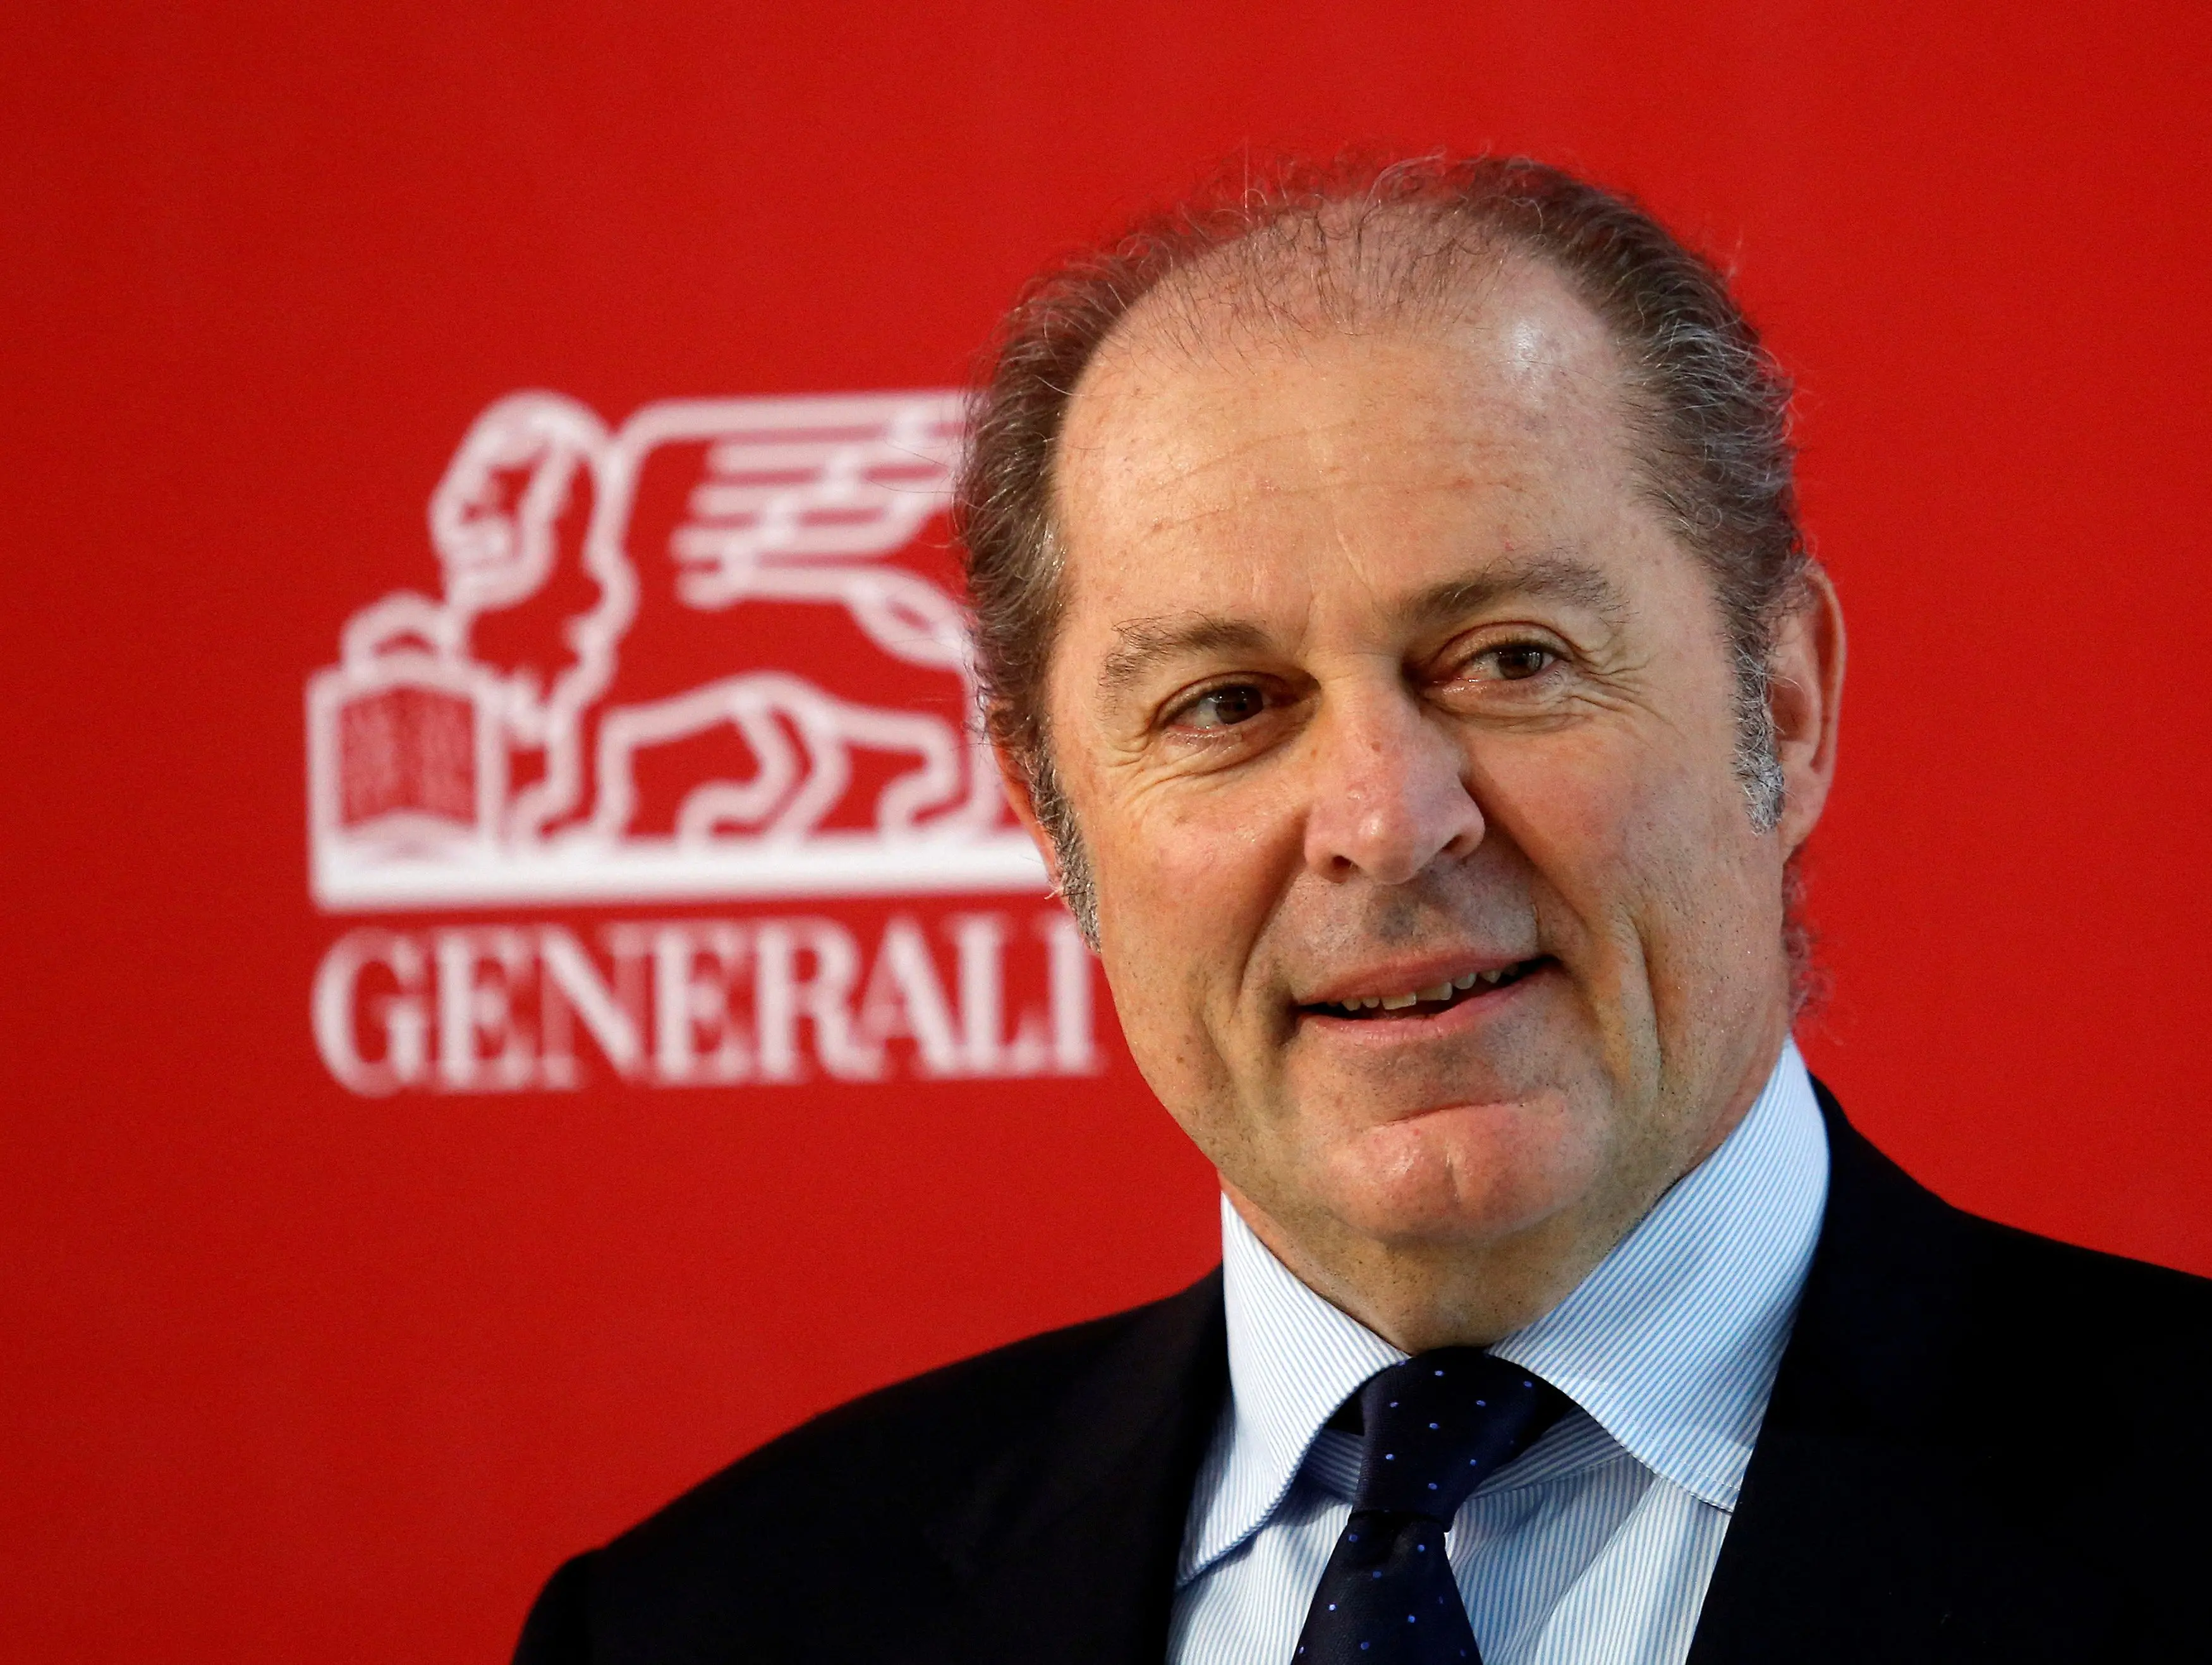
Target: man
{"type": "Point", "coordinates": [1400, 641]}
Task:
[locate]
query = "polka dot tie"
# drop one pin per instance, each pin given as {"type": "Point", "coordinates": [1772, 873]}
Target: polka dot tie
{"type": "Point", "coordinates": [1434, 1428]}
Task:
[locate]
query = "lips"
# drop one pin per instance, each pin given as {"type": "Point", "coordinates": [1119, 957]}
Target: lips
{"type": "Point", "coordinates": [1426, 1001]}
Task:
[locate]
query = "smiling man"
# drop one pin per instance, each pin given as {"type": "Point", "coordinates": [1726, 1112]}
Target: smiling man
{"type": "Point", "coordinates": [1400, 640]}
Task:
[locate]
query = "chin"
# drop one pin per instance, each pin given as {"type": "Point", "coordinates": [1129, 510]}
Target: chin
{"type": "Point", "coordinates": [1468, 1174]}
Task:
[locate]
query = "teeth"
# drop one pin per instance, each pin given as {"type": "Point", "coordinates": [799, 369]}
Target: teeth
{"type": "Point", "coordinates": [1442, 991]}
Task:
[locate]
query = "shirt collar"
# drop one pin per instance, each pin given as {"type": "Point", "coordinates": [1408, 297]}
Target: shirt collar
{"type": "Point", "coordinates": [1671, 1344]}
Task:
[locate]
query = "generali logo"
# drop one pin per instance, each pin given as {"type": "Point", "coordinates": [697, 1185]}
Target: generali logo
{"type": "Point", "coordinates": [709, 657]}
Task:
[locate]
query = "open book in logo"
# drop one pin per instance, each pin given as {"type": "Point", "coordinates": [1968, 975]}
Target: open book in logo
{"type": "Point", "coordinates": [706, 654]}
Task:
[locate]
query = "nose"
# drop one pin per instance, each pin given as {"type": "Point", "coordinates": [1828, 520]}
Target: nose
{"type": "Point", "coordinates": [1389, 792]}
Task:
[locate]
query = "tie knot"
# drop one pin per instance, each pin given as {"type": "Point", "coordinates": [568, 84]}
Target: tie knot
{"type": "Point", "coordinates": [1438, 1425]}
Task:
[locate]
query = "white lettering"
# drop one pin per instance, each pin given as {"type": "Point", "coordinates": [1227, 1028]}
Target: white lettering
{"type": "Point", "coordinates": [697, 1041]}
{"type": "Point", "coordinates": [986, 1049]}
{"type": "Point", "coordinates": [904, 997]}
{"type": "Point", "coordinates": [781, 998]}
{"type": "Point", "coordinates": [401, 1016]}
{"type": "Point", "coordinates": [569, 983]}
{"type": "Point", "coordinates": [1074, 1051]}
{"type": "Point", "coordinates": [703, 1002]}
{"type": "Point", "coordinates": [482, 1044]}
{"type": "Point", "coordinates": [981, 941]}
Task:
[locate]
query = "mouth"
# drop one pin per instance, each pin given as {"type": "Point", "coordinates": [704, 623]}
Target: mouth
{"type": "Point", "coordinates": [1428, 1002]}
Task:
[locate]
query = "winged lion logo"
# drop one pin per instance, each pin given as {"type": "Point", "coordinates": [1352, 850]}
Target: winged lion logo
{"type": "Point", "coordinates": [702, 655]}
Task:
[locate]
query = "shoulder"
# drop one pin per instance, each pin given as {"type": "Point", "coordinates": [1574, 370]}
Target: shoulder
{"type": "Point", "coordinates": [837, 1515]}
{"type": "Point", "coordinates": [918, 1438]}
{"type": "Point", "coordinates": [1981, 1443]}
{"type": "Point", "coordinates": [2044, 1310]}
{"type": "Point", "coordinates": [2008, 1282]}
{"type": "Point", "coordinates": [2085, 1285]}
{"type": "Point", "coordinates": [1928, 1322]}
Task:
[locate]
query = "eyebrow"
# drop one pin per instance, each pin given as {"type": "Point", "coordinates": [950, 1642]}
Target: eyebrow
{"type": "Point", "coordinates": [1146, 643]}
{"type": "Point", "coordinates": [1547, 577]}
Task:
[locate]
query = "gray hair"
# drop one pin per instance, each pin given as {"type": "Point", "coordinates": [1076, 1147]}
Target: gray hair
{"type": "Point", "coordinates": [1347, 242]}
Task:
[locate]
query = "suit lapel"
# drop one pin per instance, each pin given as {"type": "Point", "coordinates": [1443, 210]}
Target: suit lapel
{"type": "Point", "coordinates": [1875, 1522]}
{"type": "Point", "coordinates": [1067, 1549]}
{"type": "Point", "coordinates": [1828, 1529]}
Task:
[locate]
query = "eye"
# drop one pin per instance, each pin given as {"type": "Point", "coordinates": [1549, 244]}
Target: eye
{"type": "Point", "coordinates": [1506, 671]}
{"type": "Point", "coordinates": [1518, 661]}
{"type": "Point", "coordinates": [1223, 707]}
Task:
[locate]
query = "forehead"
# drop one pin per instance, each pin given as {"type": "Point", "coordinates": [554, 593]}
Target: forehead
{"type": "Point", "coordinates": [1205, 424]}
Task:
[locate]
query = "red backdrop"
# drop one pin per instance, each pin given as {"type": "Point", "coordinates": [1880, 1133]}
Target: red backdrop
{"type": "Point", "coordinates": [290, 1372]}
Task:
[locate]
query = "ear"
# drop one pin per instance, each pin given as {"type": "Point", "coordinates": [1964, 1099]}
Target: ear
{"type": "Point", "coordinates": [1023, 801]}
{"type": "Point", "coordinates": [1805, 697]}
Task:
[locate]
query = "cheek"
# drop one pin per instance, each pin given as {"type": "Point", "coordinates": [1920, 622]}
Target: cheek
{"type": "Point", "coordinates": [1591, 817]}
{"type": "Point", "coordinates": [1189, 869]}
{"type": "Point", "coordinates": [1639, 853]}
{"type": "Point", "coordinates": [1185, 888]}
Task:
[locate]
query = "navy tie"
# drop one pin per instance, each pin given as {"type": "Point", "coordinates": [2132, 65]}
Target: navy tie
{"type": "Point", "coordinates": [1434, 1428]}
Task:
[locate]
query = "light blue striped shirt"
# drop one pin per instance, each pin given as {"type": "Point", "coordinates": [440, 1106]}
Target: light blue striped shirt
{"type": "Point", "coordinates": [1597, 1543]}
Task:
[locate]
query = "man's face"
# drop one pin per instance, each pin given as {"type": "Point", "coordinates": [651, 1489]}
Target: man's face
{"type": "Point", "coordinates": [1400, 734]}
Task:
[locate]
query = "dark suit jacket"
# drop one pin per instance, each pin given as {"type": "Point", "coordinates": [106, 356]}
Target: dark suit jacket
{"type": "Point", "coordinates": [1982, 1445]}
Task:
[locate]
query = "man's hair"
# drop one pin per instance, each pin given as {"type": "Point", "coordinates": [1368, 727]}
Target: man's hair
{"type": "Point", "coordinates": [1351, 243]}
